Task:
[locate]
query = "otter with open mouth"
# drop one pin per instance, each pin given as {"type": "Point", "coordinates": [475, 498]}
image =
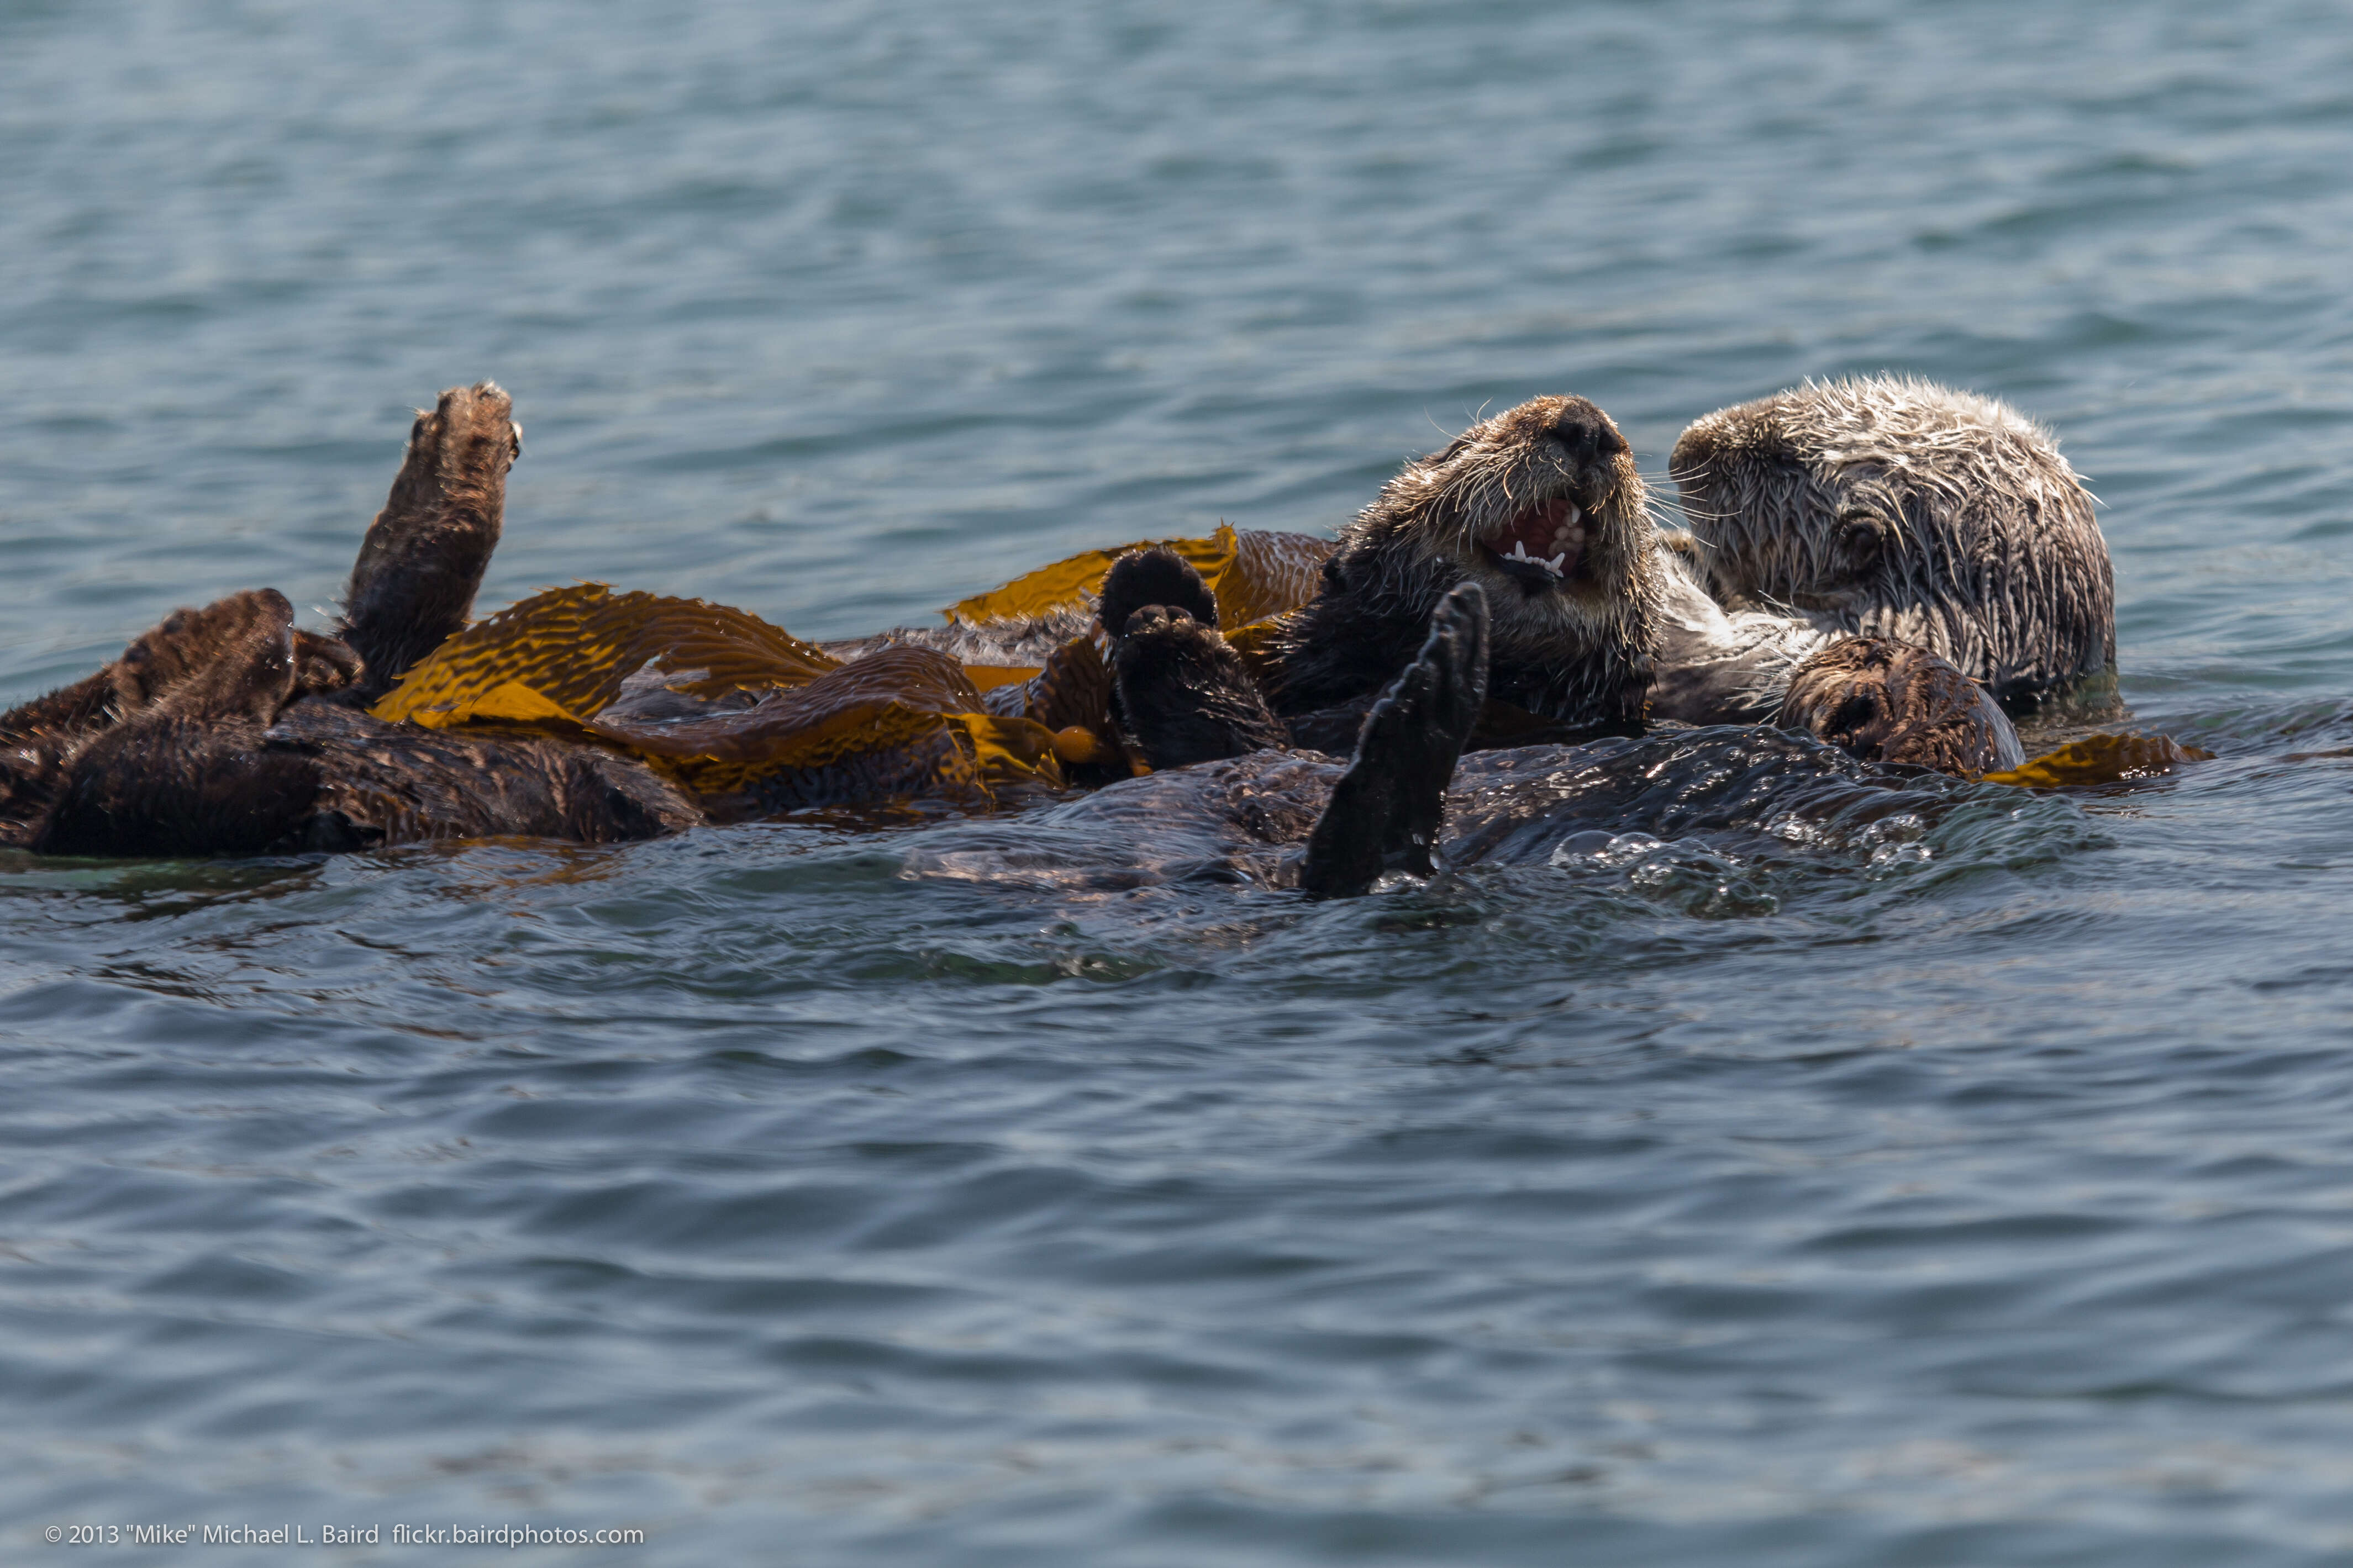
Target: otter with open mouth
{"type": "Point", "coordinates": [228, 731]}
{"type": "Point", "coordinates": [1542, 508]}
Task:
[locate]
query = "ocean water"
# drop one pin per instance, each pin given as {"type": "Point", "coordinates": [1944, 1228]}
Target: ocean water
{"type": "Point", "coordinates": [1978, 1195]}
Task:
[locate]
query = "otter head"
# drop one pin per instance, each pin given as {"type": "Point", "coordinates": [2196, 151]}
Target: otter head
{"type": "Point", "coordinates": [1540, 506]}
{"type": "Point", "coordinates": [1891, 702]}
{"type": "Point", "coordinates": [1893, 507]}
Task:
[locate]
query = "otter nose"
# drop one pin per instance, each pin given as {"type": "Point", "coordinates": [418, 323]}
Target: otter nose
{"type": "Point", "coordinates": [1586, 434]}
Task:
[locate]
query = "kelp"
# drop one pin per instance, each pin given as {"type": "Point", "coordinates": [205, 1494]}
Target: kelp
{"type": "Point", "coordinates": [753, 718]}
{"type": "Point", "coordinates": [2102, 759]}
{"type": "Point", "coordinates": [562, 656]}
{"type": "Point", "coordinates": [764, 720]}
{"type": "Point", "coordinates": [1256, 575]}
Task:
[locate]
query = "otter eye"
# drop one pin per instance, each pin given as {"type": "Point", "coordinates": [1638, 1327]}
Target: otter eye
{"type": "Point", "coordinates": [1863, 539]}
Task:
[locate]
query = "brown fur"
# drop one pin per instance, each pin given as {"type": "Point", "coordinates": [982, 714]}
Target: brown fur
{"type": "Point", "coordinates": [1184, 696]}
{"type": "Point", "coordinates": [1887, 702]}
{"type": "Point", "coordinates": [424, 556]}
{"type": "Point", "coordinates": [222, 755]}
{"type": "Point", "coordinates": [221, 731]}
{"type": "Point", "coordinates": [1575, 648]}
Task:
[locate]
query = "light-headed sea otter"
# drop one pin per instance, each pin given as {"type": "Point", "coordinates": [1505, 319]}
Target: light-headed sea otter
{"type": "Point", "coordinates": [1885, 507]}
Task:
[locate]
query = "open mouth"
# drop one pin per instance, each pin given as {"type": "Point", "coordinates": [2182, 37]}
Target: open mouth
{"type": "Point", "coordinates": [1540, 546]}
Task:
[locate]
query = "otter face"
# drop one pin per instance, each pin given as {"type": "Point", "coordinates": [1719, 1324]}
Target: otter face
{"type": "Point", "coordinates": [1893, 508]}
{"type": "Point", "coordinates": [1540, 506]}
{"type": "Point", "coordinates": [1890, 702]}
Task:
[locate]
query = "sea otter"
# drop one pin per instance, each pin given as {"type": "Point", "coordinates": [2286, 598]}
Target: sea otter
{"type": "Point", "coordinates": [1287, 819]}
{"type": "Point", "coordinates": [1885, 507]}
{"type": "Point", "coordinates": [1600, 627]}
{"type": "Point", "coordinates": [1541, 505]}
{"type": "Point", "coordinates": [228, 731]}
{"type": "Point", "coordinates": [1186, 696]}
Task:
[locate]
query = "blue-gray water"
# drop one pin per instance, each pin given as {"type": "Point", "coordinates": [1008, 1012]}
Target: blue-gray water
{"type": "Point", "coordinates": [1992, 1206]}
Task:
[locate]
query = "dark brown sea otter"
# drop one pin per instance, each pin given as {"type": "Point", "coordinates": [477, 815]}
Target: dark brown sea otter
{"type": "Point", "coordinates": [228, 731]}
{"type": "Point", "coordinates": [1542, 508]}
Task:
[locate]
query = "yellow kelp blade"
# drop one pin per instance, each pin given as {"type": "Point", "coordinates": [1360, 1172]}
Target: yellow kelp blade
{"type": "Point", "coordinates": [2101, 760]}
{"type": "Point", "coordinates": [563, 654]}
{"type": "Point", "coordinates": [815, 717]}
{"type": "Point", "coordinates": [904, 721]}
{"type": "Point", "coordinates": [1255, 575]}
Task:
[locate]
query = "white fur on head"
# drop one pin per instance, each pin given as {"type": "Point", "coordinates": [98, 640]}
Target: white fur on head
{"type": "Point", "coordinates": [1891, 507]}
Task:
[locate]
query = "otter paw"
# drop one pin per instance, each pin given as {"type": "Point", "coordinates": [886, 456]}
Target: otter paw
{"type": "Point", "coordinates": [1184, 692]}
{"type": "Point", "coordinates": [1386, 809]}
{"type": "Point", "coordinates": [467, 439]}
{"type": "Point", "coordinates": [1162, 577]}
{"type": "Point", "coordinates": [324, 664]}
{"type": "Point", "coordinates": [424, 556]}
{"type": "Point", "coordinates": [1885, 702]}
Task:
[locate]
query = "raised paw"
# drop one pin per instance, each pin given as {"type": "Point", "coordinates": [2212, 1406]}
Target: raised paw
{"type": "Point", "coordinates": [425, 554]}
{"type": "Point", "coordinates": [1155, 576]}
{"type": "Point", "coordinates": [1183, 691]}
{"type": "Point", "coordinates": [1387, 810]}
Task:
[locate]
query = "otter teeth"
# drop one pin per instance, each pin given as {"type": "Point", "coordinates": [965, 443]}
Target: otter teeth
{"type": "Point", "coordinates": [1520, 553]}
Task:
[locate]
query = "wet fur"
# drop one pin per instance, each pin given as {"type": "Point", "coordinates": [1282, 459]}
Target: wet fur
{"type": "Point", "coordinates": [1388, 810]}
{"type": "Point", "coordinates": [1247, 820]}
{"type": "Point", "coordinates": [1580, 653]}
{"type": "Point", "coordinates": [423, 558]}
{"type": "Point", "coordinates": [1893, 508]}
{"type": "Point", "coordinates": [1889, 702]}
{"type": "Point", "coordinates": [224, 729]}
{"type": "Point", "coordinates": [1184, 696]}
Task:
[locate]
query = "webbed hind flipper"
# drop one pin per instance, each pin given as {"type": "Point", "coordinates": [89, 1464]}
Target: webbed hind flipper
{"type": "Point", "coordinates": [1386, 808]}
{"type": "Point", "coordinates": [424, 556]}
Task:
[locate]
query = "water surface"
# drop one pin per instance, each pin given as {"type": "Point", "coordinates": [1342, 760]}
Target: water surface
{"type": "Point", "coordinates": [1982, 1194]}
